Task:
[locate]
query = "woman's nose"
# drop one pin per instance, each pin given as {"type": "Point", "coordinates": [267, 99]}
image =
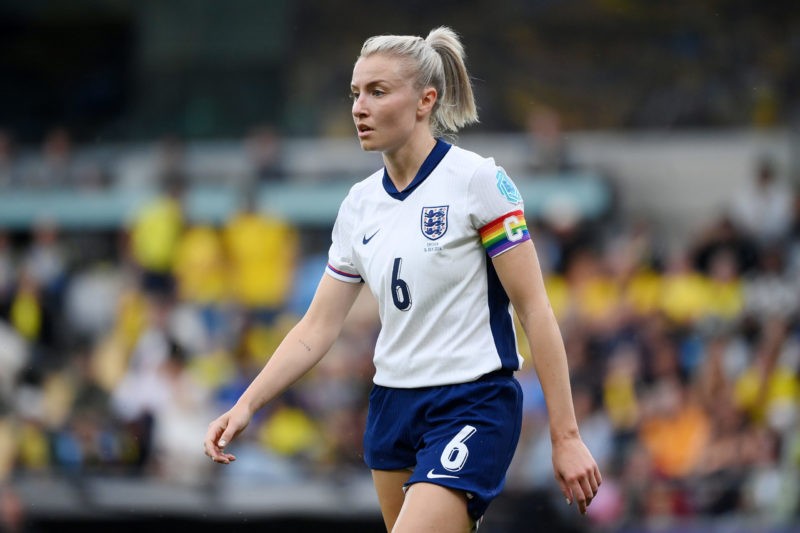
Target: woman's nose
{"type": "Point", "coordinates": [358, 106]}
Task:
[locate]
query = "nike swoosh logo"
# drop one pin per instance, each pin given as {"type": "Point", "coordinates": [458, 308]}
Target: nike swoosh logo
{"type": "Point", "coordinates": [365, 239]}
{"type": "Point", "coordinates": [431, 475]}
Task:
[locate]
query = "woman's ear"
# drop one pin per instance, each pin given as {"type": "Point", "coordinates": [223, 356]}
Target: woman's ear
{"type": "Point", "coordinates": [427, 101]}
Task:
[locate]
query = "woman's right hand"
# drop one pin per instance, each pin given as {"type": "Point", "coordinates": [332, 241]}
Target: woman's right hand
{"type": "Point", "coordinates": [222, 431]}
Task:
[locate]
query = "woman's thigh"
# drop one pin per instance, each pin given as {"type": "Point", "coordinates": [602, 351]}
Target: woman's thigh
{"type": "Point", "coordinates": [389, 487]}
{"type": "Point", "coordinates": [429, 507]}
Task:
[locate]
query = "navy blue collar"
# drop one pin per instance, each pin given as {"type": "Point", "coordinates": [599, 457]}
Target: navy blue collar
{"type": "Point", "coordinates": [437, 154]}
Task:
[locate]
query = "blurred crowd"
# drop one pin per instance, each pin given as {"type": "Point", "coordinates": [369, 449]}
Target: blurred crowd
{"type": "Point", "coordinates": [685, 361]}
{"type": "Point", "coordinates": [684, 358]}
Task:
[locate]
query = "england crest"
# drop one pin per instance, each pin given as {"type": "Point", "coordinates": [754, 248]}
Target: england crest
{"type": "Point", "coordinates": [434, 221]}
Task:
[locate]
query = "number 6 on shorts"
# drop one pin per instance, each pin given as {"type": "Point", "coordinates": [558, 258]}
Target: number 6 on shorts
{"type": "Point", "coordinates": [456, 452]}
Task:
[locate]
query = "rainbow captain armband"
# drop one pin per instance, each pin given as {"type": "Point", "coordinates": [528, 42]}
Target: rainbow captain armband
{"type": "Point", "coordinates": [504, 233]}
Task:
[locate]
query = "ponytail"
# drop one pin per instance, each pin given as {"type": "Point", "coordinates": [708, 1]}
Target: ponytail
{"type": "Point", "coordinates": [456, 107]}
{"type": "Point", "coordinates": [437, 61]}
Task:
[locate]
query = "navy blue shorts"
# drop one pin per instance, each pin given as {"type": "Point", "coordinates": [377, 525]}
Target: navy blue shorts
{"type": "Point", "coordinates": [459, 436]}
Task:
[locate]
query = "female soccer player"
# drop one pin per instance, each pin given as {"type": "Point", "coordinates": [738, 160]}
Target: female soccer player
{"type": "Point", "coordinates": [439, 237]}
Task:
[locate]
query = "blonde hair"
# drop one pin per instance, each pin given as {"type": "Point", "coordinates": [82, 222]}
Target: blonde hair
{"type": "Point", "coordinates": [436, 61]}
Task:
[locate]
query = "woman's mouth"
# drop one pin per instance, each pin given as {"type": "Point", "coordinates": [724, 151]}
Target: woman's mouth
{"type": "Point", "coordinates": [363, 130]}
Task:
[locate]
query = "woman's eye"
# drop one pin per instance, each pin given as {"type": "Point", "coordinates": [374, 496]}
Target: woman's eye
{"type": "Point", "coordinates": [354, 96]}
{"type": "Point", "coordinates": [377, 92]}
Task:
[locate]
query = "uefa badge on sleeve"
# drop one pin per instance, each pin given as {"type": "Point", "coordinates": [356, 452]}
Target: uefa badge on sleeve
{"type": "Point", "coordinates": [507, 188]}
{"type": "Point", "coordinates": [434, 221]}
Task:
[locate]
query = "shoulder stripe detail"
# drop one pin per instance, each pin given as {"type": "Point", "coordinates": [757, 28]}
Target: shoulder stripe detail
{"type": "Point", "coordinates": [345, 276]}
{"type": "Point", "coordinates": [505, 232]}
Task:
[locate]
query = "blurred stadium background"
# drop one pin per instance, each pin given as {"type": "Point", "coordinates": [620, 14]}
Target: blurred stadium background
{"type": "Point", "coordinates": [169, 175]}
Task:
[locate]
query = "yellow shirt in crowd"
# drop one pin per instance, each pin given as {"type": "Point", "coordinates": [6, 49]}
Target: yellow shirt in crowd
{"type": "Point", "coordinates": [262, 251]}
{"type": "Point", "coordinates": [155, 233]}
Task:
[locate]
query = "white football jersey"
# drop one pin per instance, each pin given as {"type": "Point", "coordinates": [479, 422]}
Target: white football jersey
{"type": "Point", "coordinates": [424, 253]}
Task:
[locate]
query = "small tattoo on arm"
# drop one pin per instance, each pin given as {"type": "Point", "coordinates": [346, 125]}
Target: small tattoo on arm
{"type": "Point", "coordinates": [306, 346]}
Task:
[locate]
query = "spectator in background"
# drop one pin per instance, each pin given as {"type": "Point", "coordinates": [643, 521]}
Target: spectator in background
{"type": "Point", "coordinates": [622, 379]}
{"type": "Point", "coordinates": [171, 164]}
{"type": "Point", "coordinates": [13, 359]}
{"type": "Point", "coordinates": [14, 355]}
{"type": "Point", "coordinates": [549, 150]}
{"type": "Point", "coordinates": [200, 271]}
{"type": "Point", "coordinates": [723, 234]}
{"type": "Point", "coordinates": [32, 319]}
{"type": "Point", "coordinates": [113, 347]}
{"type": "Point", "coordinates": [76, 417]}
{"type": "Point", "coordinates": [46, 260]}
{"type": "Point", "coordinates": [771, 291]}
{"type": "Point", "coordinates": [154, 234]}
{"type": "Point", "coordinates": [151, 169]}
{"type": "Point", "coordinates": [763, 207]}
{"type": "Point", "coordinates": [10, 168]}
{"type": "Point", "coordinates": [263, 252]}
{"type": "Point", "coordinates": [179, 414]}
{"type": "Point", "coordinates": [140, 392]}
{"type": "Point", "coordinates": [769, 389]}
{"type": "Point", "coordinates": [725, 298]}
{"type": "Point", "coordinates": [684, 291]}
{"type": "Point", "coordinates": [264, 155]}
{"type": "Point", "coordinates": [793, 248]}
{"type": "Point", "coordinates": [675, 431]}
{"type": "Point", "coordinates": [56, 166]}
{"type": "Point", "coordinates": [7, 267]}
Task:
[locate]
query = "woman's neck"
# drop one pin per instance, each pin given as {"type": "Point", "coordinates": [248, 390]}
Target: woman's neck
{"type": "Point", "coordinates": [403, 164]}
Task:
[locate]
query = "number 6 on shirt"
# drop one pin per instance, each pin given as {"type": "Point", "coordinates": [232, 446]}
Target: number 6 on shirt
{"type": "Point", "coordinates": [401, 296]}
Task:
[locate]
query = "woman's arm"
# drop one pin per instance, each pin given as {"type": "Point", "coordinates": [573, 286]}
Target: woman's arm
{"type": "Point", "coordinates": [302, 348]}
{"type": "Point", "coordinates": [521, 276]}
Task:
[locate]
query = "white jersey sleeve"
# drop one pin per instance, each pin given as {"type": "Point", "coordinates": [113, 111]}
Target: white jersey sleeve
{"type": "Point", "coordinates": [498, 210]}
{"type": "Point", "coordinates": [340, 254]}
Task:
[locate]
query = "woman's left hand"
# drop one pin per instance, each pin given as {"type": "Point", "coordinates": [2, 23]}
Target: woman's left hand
{"type": "Point", "coordinates": [576, 471]}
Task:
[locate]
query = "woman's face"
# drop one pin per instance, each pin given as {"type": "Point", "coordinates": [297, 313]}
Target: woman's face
{"type": "Point", "coordinates": [386, 107]}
